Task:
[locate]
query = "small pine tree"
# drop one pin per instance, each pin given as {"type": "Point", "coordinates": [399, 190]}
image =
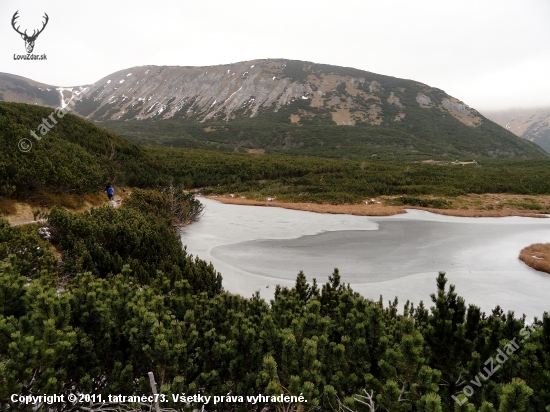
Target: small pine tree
{"type": "Point", "coordinates": [515, 396]}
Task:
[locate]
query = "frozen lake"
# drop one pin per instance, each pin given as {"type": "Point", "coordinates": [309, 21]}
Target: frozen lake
{"type": "Point", "coordinates": [256, 248]}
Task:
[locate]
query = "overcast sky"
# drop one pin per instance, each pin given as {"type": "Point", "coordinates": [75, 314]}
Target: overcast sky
{"type": "Point", "coordinates": [492, 54]}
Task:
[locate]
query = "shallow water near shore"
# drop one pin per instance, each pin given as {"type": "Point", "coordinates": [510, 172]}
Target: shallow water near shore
{"type": "Point", "coordinates": [255, 248]}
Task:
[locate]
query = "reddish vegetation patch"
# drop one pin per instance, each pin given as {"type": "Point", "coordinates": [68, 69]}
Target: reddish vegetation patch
{"type": "Point", "coordinates": [7, 207]}
{"type": "Point", "coordinates": [480, 212]}
{"type": "Point", "coordinates": [488, 205]}
{"type": "Point", "coordinates": [537, 256]}
{"type": "Point", "coordinates": [358, 210]}
{"type": "Point", "coordinates": [343, 117]}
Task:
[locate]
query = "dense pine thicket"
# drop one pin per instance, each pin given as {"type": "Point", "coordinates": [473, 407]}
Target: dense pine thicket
{"type": "Point", "coordinates": [172, 204]}
{"type": "Point", "coordinates": [426, 133]}
{"type": "Point", "coordinates": [125, 299]}
{"type": "Point", "coordinates": [338, 181]}
{"type": "Point", "coordinates": [78, 157]}
{"type": "Point", "coordinates": [113, 295]}
{"type": "Point", "coordinates": [106, 240]}
{"type": "Point", "coordinates": [73, 157]}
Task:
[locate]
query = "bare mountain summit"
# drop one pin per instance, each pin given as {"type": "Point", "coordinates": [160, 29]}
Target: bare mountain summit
{"type": "Point", "coordinates": [284, 106]}
{"type": "Point", "coordinates": [245, 89]}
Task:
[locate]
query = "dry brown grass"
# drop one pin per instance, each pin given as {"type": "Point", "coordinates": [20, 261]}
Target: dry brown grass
{"type": "Point", "coordinates": [537, 256]}
{"type": "Point", "coordinates": [255, 151]}
{"type": "Point", "coordinates": [24, 212]}
{"type": "Point", "coordinates": [294, 118]}
{"type": "Point", "coordinates": [7, 207]}
{"type": "Point", "coordinates": [47, 200]}
{"type": "Point", "coordinates": [481, 212]}
{"type": "Point", "coordinates": [498, 205]}
{"type": "Point", "coordinates": [359, 210]}
{"type": "Point", "coordinates": [486, 205]}
{"type": "Point", "coordinates": [342, 116]}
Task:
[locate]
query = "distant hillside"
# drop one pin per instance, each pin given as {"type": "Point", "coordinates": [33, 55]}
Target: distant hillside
{"type": "Point", "coordinates": [78, 157]}
{"type": "Point", "coordinates": [346, 96]}
{"type": "Point", "coordinates": [294, 107]}
{"type": "Point", "coordinates": [21, 90]}
{"type": "Point", "coordinates": [531, 124]}
{"type": "Point", "coordinates": [291, 107]}
{"type": "Point", "coordinates": [75, 156]}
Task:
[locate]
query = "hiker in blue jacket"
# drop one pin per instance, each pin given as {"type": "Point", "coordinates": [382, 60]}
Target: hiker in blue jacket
{"type": "Point", "coordinates": [110, 192]}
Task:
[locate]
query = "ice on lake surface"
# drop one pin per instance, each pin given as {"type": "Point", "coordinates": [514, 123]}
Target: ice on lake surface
{"type": "Point", "coordinates": [255, 247]}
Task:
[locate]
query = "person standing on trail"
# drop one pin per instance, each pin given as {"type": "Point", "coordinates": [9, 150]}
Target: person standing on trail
{"type": "Point", "coordinates": [110, 192]}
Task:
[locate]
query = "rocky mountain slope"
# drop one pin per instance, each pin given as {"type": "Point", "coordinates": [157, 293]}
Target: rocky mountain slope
{"type": "Point", "coordinates": [531, 124]}
{"type": "Point", "coordinates": [288, 106]}
{"type": "Point", "coordinates": [21, 90]}
{"type": "Point", "coordinates": [245, 89]}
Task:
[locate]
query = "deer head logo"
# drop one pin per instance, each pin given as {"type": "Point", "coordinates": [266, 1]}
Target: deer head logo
{"type": "Point", "coordinates": [29, 40]}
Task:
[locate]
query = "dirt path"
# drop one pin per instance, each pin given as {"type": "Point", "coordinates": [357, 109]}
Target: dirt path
{"type": "Point", "coordinates": [24, 213]}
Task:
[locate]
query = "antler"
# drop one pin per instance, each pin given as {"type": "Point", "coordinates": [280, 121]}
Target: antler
{"type": "Point", "coordinates": [15, 17]}
{"type": "Point", "coordinates": [34, 35]}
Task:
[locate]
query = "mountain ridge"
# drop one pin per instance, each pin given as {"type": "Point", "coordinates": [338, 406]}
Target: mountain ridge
{"type": "Point", "coordinates": [283, 70]}
{"type": "Point", "coordinates": [530, 124]}
{"type": "Point", "coordinates": [19, 89]}
{"type": "Point", "coordinates": [249, 86]}
{"type": "Point", "coordinates": [289, 106]}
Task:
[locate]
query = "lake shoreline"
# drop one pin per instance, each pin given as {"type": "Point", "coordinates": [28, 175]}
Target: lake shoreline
{"type": "Point", "coordinates": [256, 248]}
{"type": "Point", "coordinates": [379, 208]}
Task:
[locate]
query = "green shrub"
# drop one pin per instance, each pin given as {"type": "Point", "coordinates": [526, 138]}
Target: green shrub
{"type": "Point", "coordinates": [428, 202]}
